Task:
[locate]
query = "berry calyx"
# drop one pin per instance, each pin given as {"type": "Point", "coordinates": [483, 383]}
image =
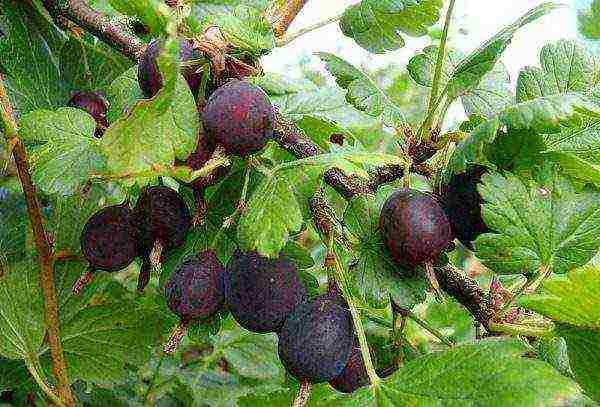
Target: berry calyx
{"type": "Point", "coordinates": [239, 117]}
{"type": "Point", "coordinates": [316, 340]}
{"type": "Point", "coordinates": [462, 205]}
{"type": "Point", "coordinates": [95, 104]}
{"type": "Point", "coordinates": [260, 292]}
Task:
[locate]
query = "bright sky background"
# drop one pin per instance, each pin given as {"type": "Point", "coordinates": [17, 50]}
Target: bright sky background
{"type": "Point", "coordinates": [482, 18]}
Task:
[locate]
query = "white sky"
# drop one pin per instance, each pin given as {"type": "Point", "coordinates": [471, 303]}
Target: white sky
{"type": "Point", "coordinates": [482, 18]}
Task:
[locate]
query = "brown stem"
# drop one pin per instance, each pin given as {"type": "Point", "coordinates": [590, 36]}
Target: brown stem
{"type": "Point", "coordinates": [59, 365]}
{"type": "Point", "coordinates": [467, 292]}
{"type": "Point", "coordinates": [83, 282]}
{"type": "Point", "coordinates": [176, 337]}
{"type": "Point", "coordinates": [286, 14]}
{"type": "Point", "coordinates": [303, 395]}
{"type": "Point", "coordinates": [102, 26]}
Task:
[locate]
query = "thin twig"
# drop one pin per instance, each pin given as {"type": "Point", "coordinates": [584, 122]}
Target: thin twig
{"type": "Point", "coordinates": [284, 17]}
{"type": "Point", "coordinates": [286, 39]}
{"type": "Point", "coordinates": [423, 324]}
{"type": "Point", "coordinates": [52, 322]}
{"type": "Point", "coordinates": [102, 26]}
{"type": "Point", "coordinates": [303, 395]}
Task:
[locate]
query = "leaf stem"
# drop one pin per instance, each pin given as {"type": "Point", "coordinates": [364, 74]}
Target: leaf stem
{"type": "Point", "coordinates": [358, 326]}
{"type": "Point", "coordinates": [286, 39]}
{"type": "Point", "coordinates": [52, 321]}
{"type": "Point", "coordinates": [527, 288]}
{"type": "Point", "coordinates": [434, 101]}
{"type": "Point", "coordinates": [423, 324]}
{"type": "Point", "coordinates": [32, 364]}
{"type": "Point", "coordinates": [303, 395]}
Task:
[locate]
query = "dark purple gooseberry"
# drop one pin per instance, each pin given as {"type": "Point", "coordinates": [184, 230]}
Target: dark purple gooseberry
{"type": "Point", "coordinates": [462, 205]}
{"type": "Point", "coordinates": [316, 340]}
{"type": "Point", "coordinates": [337, 138]}
{"type": "Point", "coordinates": [195, 288]}
{"type": "Point", "coordinates": [149, 76]}
{"type": "Point", "coordinates": [95, 105]}
{"type": "Point", "coordinates": [414, 227]}
{"type": "Point", "coordinates": [193, 291]}
{"type": "Point", "coordinates": [239, 117]}
{"type": "Point", "coordinates": [260, 292]}
{"type": "Point", "coordinates": [108, 242]}
{"type": "Point", "coordinates": [163, 216]}
{"type": "Point", "coordinates": [354, 375]}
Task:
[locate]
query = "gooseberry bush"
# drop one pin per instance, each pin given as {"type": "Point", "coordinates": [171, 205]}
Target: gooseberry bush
{"type": "Point", "coordinates": [180, 226]}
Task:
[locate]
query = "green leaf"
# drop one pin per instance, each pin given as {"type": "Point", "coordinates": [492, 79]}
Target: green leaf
{"type": "Point", "coordinates": [376, 25]}
{"type": "Point", "coordinates": [578, 150]}
{"type": "Point", "coordinates": [250, 355]}
{"type": "Point", "coordinates": [263, 226]}
{"type": "Point", "coordinates": [154, 13]}
{"type": "Point", "coordinates": [71, 213]}
{"type": "Point", "coordinates": [246, 28]}
{"type": "Point", "coordinates": [472, 69]}
{"type": "Point", "coordinates": [489, 96]}
{"type": "Point", "coordinates": [362, 92]}
{"type": "Point", "coordinates": [550, 114]}
{"type": "Point", "coordinates": [14, 226]}
{"type": "Point", "coordinates": [21, 311]}
{"type": "Point", "coordinates": [543, 223]}
{"type": "Point", "coordinates": [155, 131]}
{"type": "Point", "coordinates": [375, 276]}
{"type": "Point", "coordinates": [488, 372]}
{"type": "Point", "coordinates": [589, 21]}
{"type": "Point", "coordinates": [573, 299]}
{"type": "Point", "coordinates": [28, 52]}
{"type": "Point", "coordinates": [88, 64]}
{"type": "Point", "coordinates": [122, 94]}
{"type": "Point", "coordinates": [71, 153]}
{"type": "Point", "coordinates": [566, 67]}
{"type": "Point", "coordinates": [583, 347]}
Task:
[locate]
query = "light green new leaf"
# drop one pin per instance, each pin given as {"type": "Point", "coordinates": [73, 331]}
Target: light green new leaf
{"type": "Point", "coordinates": [472, 69]}
{"type": "Point", "coordinates": [154, 132]}
{"type": "Point", "coordinates": [122, 94]}
{"type": "Point", "coordinates": [71, 153]}
{"type": "Point", "coordinates": [544, 223]}
{"type": "Point", "coordinates": [246, 28]}
{"type": "Point", "coordinates": [566, 67]}
{"type": "Point", "coordinates": [362, 92]}
{"type": "Point", "coordinates": [21, 311]}
{"type": "Point", "coordinates": [28, 52]}
{"type": "Point", "coordinates": [376, 25]}
{"type": "Point", "coordinates": [573, 299]}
